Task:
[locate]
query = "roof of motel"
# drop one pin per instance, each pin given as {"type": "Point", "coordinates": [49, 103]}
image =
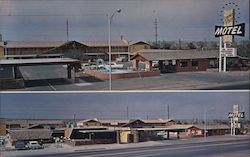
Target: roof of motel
{"type": "Point", "coordinates": [156, 54]}
{"type": "Point", "coordinates": [30, 121]}
{"type": "Point", "coordinates": [177, 127]}
{"type": "Point", "coordinates": [104, 43]}
{"type": "Point", "coordinates": [96, 131]}
{"type": "Point", "coordinates": [52, 44]}
{"type": "Point", "coordinates": [114, 121]}
{"type": "Point", "coordinates": [180, 126]}
{"type": "Point", "coordinates": [30, 134]}
{"type": "Point", "coordinates": [37, 61]}
{"type": "Point", "coordinates": [33, 44]}
{"type": "Point", "coordinates": [214, 126]}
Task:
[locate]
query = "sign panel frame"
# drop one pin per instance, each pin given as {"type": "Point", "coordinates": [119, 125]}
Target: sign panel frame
{"type": "Point", "coordinates": [236, 115]}
{"type": "Point", "coordinates": [230, 30]}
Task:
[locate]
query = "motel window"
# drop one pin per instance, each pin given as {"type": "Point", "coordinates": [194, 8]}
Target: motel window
{"type": "Point", "coordinates": [195, 63]}
{"type": "Point", "coordinates": [212, 64]}
{"type": "Point", "coordinates": [166, 62]}
{"type": "Point", "coordinates": [173, 62]}
{"type": "Point", "coordinates": [183, 64]}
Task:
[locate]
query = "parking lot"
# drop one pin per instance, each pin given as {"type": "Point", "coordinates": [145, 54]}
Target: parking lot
{"type": "Point", "coordinates": [54, 78]}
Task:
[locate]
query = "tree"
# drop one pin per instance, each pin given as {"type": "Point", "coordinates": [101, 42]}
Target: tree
{"type": "Point", "coordinates": [243, 48]}
{"type": "Point", "coordinates": [200, 44]}
{"type": "Point", "coordinates": [164, 45]}
{"type": "Point", "coordinates": [191, 45]}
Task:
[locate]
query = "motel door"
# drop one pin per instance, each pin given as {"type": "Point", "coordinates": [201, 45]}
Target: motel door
{"type": "Point", "coordinates": [167, 66]}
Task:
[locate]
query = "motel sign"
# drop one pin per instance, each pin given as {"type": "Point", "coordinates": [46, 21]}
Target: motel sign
{"type": "Point", "coordinates": [230, 30]}
{"type": "Point", "coordinates": [236, 115]}
{"type": "Point", "coordinates": [227, 33]}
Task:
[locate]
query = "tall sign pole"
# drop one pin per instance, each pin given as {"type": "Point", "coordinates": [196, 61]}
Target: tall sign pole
{"type": "Point", "coordinates": [235, 117]}
{"type": "Point", "coordinates": [220, 58]}
{"type": "Point", "coordinates": [227, 33]}
{"type": "Point", "coordinates": [229, 18]}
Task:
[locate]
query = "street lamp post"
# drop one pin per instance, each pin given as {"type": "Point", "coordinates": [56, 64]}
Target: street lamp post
{"type": "Point", "coordinates": [5, 48]}
{"type": "Point", "coordinates": [205, 122]}
{"type": "Point", "coordinates": [110, 18]}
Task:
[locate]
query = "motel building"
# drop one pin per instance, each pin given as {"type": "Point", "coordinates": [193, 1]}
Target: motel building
{"type": "Point", "coordinates": [81, 50]}
{"type": "Point", "coordinates": [176, 60]}
{"type": "Point", "coordinates": [96, 131]}
{"type": "Point", "coordinates": [15, 54]}
{"type": "Point", "coordinates": [184, 60]}
{"type": "Point", "coordinates": [104, 131]}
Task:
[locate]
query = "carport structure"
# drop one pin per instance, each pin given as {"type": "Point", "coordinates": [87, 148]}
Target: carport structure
{"type": "Point", "coordinates": [11, 65]}
{"type": "Point", "coordinates": [190, 130]}
{"type": "Point", "coordinates": [90, 135]}
{"type": "Point", "coordinates": [30, 135]}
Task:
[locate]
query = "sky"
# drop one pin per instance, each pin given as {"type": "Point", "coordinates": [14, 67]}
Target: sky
{"type": "Point", "coordinates": [114, 105]}
{"type": "Point", "coordinates": [192, 20]}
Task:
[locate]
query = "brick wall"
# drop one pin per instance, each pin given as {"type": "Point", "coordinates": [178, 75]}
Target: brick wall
{"type": "Point", "coordinates": [202, 65]}
{"type": "Point", "coordinates": [104, 76]}
{"type": "Point", "coordinates": [2, 127]}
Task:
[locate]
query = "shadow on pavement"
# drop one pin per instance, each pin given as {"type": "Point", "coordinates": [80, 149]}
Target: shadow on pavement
{"type": "Point", "coordinates": [90, 79]}
{"type": "Point", "coordinates": [46, 82]}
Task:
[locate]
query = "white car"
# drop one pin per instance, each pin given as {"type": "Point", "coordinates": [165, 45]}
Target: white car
{"type": "Point", "coordinates": [34, 145]}
{"type": "Point", "coordinates": [84, 66]}
{"type": "Point", "coordinates": [114, 65]}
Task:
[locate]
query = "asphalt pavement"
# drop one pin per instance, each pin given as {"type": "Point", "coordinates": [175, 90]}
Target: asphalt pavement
{"type": "Point", "coordinates": [235, 80]}
{"type": "Point", "coordinates": [216, 146]}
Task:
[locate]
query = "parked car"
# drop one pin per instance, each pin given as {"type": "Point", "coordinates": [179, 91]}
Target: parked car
{"type": "Point", "coordinates": [85, 65]}
{"type": "Point", "coordinates": [114, 65]}
{"type": "Point", "coordinates": [20, 145]}
{"type": "Point", "coordinates": [121, 59]}
{"type": "Point", "coordinates": [34, 145]}
{"type": "Point", "coordinates": [2, 141]}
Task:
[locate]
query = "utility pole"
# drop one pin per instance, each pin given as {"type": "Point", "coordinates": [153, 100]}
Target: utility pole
{"type": "Point", "coordinates": [67, 29]}
{"type": "Point", "coordinates": [127, 112]}
{"type": "Point", "coordinates": [168, 112]}
{"type": "Point", "coordinates": [156, 33]}
{"type": "Point", "coordinates": [179, 44]}
{"type": "Point", "coordinates": [5, 48]}
{"type": "Point", "coordinates": [74, 119]}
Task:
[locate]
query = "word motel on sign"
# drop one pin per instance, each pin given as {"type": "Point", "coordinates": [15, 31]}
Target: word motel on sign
{"type": "Point", "coordinates": [230, 30]}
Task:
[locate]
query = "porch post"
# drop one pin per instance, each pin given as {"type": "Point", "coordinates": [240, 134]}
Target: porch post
{"type": "Point", "coordinates": [168, 135]}
{"type": "Point", "coordinates": [69, 71]}
{"type": "Point", "coordinates": [136, 64]}
{"type": "Point", "coordinates": [150, 66]}
{"type": "Point", "coordinates": [76, 74]}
